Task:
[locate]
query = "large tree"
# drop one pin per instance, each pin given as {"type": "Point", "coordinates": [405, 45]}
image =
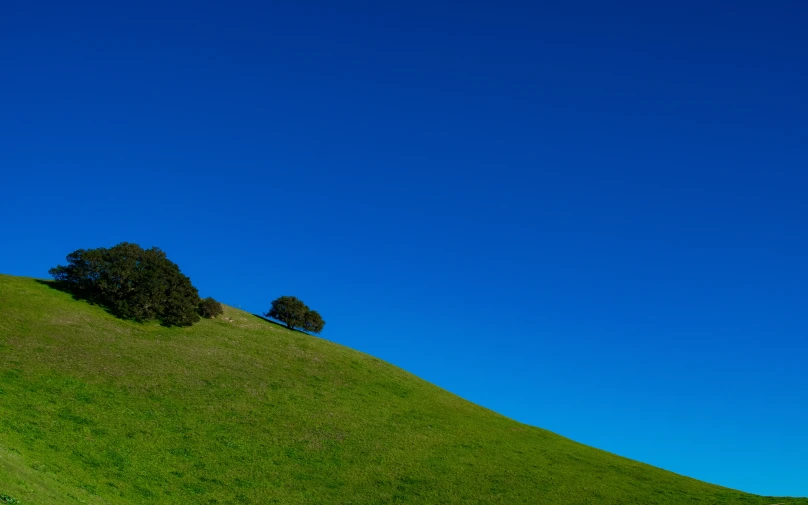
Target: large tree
{"type": "Point", "coordinates": [132, 282]}
{"type": "Point", "coordinates": [295, 314]}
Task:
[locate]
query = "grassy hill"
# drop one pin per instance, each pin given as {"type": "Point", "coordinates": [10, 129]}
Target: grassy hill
{"type": "Point", "coordinates": [239, 410]}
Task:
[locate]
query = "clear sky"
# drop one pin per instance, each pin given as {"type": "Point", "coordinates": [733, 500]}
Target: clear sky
{"type": "Point", "coordinates": [586, 216]}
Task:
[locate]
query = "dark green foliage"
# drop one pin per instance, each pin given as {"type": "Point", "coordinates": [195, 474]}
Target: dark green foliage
{"type": "Point", "coordinates": [209, 308]}
{"type": "Point", "coordinates": [4, 498]}
{"type": "Point", "coordinates": [296, 314]}
{"type": "Point", "coordinates": [134, 283]}
{"type": "Point", "coordinates": [313, 322]}
{"type": "Point", "coordinates": [289, 310]}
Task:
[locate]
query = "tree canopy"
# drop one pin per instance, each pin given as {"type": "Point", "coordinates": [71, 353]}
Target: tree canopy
{"type": "Point", "coordinates": [132, 282]}
{"type": "Point", "coordinates": [295, 314]}
{"type": "Point", "coordinates": [313, 322]}
{"type": "Point", "coordinates": [209, 308]}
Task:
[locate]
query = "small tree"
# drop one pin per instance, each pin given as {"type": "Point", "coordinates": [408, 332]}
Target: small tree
{"type": "Point", "coordinates": [295, 314]}
{"type": "Point", "coordinates": [209, 308]}
{"type": "Point", "coordinates": [289, 310]}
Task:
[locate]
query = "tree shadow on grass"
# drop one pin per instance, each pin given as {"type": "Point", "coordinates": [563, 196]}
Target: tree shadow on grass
{"type": "Point", "coordinates": [281, 325]}
{"type": "Point", "coordinates": [78, 295]}
{"type": "Point", "coordinates": [276, 323]}
{"type": "Point", "coordinates": [66, 287]}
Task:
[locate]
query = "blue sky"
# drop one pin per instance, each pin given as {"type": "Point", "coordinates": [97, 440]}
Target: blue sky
{"type": "Point", "coordinates": [587, 217]}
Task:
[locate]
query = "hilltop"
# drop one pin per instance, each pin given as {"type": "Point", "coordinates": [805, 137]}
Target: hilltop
{"type": "Point", "coordinates": [236, 409]}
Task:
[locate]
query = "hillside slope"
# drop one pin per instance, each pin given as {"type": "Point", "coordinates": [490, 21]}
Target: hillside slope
{"type": "Point", "coordinates": [238, 410]}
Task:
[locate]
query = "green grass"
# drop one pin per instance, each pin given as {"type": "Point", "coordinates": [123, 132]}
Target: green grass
{"type": "Point", "coordinates": [238, 410]}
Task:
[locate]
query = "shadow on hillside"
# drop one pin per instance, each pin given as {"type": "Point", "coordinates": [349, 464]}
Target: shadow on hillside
{"type": "Point", "coordinates": [66, 287]}
{"type": "Point", "coordinates": [275, 323]}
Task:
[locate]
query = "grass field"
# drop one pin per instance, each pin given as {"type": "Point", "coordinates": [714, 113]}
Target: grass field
{"type": "Point", "coordinates": [239, 410]}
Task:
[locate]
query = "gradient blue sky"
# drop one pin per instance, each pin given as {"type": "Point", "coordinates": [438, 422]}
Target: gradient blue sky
{"type": "Point", "coordinates": [587, 217]}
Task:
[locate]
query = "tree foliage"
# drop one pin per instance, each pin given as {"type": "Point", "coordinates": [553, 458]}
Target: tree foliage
{"type": "Point", "coordinates": [295, 314]}
{"type": "Point", "coordinates": [132, 282]}
{"type": "Point", "coordinates": [209, 308]}
{"type": "Point", "coordinates": [313, 322]}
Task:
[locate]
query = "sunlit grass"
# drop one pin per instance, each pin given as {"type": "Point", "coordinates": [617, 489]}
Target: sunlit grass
{"type": "Point", "coordinates": [239, 410]}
